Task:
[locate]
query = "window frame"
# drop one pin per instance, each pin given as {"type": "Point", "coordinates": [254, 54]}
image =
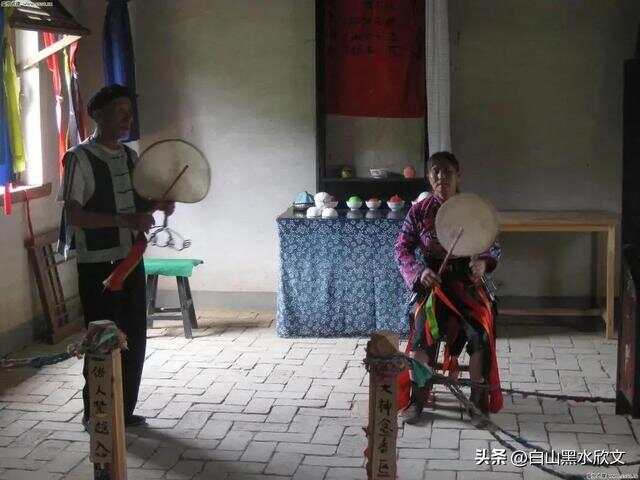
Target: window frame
{"type": "Point", "coordinates": [40, 18]}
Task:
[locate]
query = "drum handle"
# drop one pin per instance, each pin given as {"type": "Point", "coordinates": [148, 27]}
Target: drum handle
{"type": "Point", "coordinates": [450, 251]}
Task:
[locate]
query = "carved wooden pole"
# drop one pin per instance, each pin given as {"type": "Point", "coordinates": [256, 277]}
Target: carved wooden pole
{"type": "Point", "coordinates": [106, 421]}
{"type": "Point", "coordinates": [384, 363]}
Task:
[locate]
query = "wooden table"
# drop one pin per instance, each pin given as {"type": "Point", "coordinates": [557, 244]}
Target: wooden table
{"type": "Point", "coordinates": [605, 223]}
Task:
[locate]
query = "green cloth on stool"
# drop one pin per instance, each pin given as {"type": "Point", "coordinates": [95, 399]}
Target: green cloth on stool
{"type": "Point", "coordinates": [170, 267]}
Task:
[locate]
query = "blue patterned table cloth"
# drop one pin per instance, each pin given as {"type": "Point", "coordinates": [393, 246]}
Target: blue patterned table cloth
{"type": "Point", "coordinates": [338, 276]}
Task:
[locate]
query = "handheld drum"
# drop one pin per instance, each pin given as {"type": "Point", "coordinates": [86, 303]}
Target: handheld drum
{"type": "Point", "coordinates": [471, 218]}
{"type": "Point", "coordinates": [171, 170]}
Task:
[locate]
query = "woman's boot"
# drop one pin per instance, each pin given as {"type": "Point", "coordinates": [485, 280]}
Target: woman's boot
{"type": "Point", "coordinates": [414, 410]}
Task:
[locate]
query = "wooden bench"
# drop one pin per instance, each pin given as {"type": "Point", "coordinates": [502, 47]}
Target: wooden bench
{"type": "Point", "coordinates": [599, 222]}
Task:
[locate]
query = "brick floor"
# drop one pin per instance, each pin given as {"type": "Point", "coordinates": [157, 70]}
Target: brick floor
{"type": "Point", "coordinates": [237, 402]}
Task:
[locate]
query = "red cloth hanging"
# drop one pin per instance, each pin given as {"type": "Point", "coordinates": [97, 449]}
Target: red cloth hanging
{"type": "Point", "coordinates": [374, 58]}
{"type": "Point", "coordinates": [54, 66]}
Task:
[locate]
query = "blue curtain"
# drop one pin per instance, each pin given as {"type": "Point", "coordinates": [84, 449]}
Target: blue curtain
{"type": "Point", "coordinates": [117, 51]}
{"type": "Point", "coordinates": [6, 169]}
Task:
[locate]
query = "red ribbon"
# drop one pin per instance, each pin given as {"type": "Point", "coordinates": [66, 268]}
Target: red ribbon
{"type": "Point", "coordinates": [115, 281]}
{"type": "Point", "coordinates": [54, 66]}
{"type": "Point", "coordinates": [8, 205]}
{"type": "Point", "coordinates": [480, 311]}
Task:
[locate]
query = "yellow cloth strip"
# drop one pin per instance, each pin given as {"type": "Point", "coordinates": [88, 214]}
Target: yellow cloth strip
{"type": "Point", "coordinates": [12, 102]}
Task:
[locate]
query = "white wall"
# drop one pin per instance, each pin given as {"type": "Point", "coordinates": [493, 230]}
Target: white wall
{"type": "Point", "coordinates": [537, 121]}
{"type": "Point", "coordinates": [19, 300]}
{"type": "Point", "coordinates": [237, 79]}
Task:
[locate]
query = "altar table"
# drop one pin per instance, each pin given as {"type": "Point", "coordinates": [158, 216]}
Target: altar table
{"type": "Point", "coordinates": [338, 276]}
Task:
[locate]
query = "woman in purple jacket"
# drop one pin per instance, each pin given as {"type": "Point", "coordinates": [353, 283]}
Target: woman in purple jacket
{"type": "Point", "coordinates": [461, 283]}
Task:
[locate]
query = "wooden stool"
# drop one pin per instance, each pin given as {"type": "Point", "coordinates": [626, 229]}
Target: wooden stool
{"type": "Point", "coordinates": [171, 267]}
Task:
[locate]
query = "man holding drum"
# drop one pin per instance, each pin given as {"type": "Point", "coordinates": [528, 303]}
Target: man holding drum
{"type": "Point", "coordinates": [101, 213]}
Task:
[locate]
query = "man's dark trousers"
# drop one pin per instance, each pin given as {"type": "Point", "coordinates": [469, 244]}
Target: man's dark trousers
{"type": "Point", "coordinates": [127, 309]}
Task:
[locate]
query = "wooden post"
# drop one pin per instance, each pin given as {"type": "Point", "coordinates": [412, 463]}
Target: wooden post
{"type": "Point", "coordinates": [106, 421]}
{"type": "Point", "coordinates": [384, 362]}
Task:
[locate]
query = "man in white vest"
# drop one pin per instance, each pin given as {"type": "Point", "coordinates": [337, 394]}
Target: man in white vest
{"type": "Point", "coordinates": [101, 214]}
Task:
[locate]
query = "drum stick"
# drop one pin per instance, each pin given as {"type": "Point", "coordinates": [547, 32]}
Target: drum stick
{"type": "Point", "coordinates": [164, 196]}
{"type": "Point", "coordinates": [173, 184]}
{"type": "Point", "coordinates": [453, 245]}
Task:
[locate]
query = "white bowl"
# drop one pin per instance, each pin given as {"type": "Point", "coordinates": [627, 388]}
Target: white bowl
{"type": "Point", "coordinates": [321, 198]}
{"type": "Point", "coordinates": [329, 212]}
{"type": "Point", "coordinates": [354, 215]}
{"type": "Point", "coordinates": [395, 206]}
{"type": "Point", "coordinates": [313, 212]}
{"type": "Point", "coordinates": [354, 205]}
{"type": "Point", "coordinates": [373, 205]}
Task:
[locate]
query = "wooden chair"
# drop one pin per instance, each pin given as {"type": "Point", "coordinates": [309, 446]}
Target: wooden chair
{"type": "Point", "coordinates": [438, 368]}
{"type": "Point", "coordinates": [60, 321]}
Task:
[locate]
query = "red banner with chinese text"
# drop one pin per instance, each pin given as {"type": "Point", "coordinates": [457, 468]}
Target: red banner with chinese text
{"type": "Point", "coordinates": [374, 58]}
